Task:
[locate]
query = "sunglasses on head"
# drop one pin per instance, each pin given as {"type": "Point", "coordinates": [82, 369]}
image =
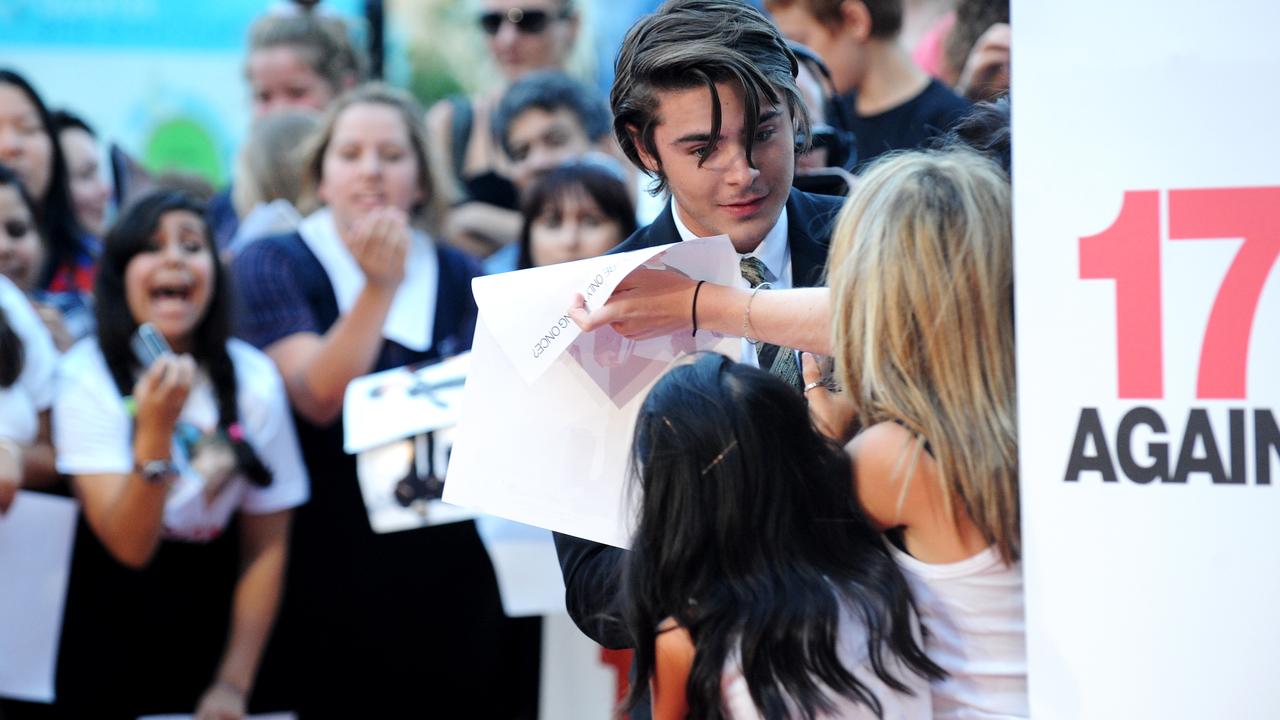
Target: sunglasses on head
{"type": "Point", "coordinates": [530, 22]}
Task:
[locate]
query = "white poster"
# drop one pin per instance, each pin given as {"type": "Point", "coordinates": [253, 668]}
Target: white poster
{"type": "Point", "coordinates": [1147, 231]}
{"type": "Point", "coordinates": [549, 411]}
{"type": "Point", "coordinates": [36, 539]}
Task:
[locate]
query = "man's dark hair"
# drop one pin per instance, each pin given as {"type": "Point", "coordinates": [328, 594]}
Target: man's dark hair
{"type": "Point", "coordinates": [698, 43]}
{"type": "Point", "coordinates": [551, 90]}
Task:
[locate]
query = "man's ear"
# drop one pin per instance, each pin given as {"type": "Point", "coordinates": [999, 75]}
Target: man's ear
{"type": "Point", "coordinates": [651, 163]}
{"type": "Point", "coordinates": [856, 20]}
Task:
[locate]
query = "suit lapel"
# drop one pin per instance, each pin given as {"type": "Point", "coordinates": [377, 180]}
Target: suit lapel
{"type": "Point", "coordinates": [809, 232]}
{"type": "Point", "coordinates": [661, 231]}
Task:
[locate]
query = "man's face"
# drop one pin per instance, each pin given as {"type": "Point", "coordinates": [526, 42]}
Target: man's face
{"type": "Point", "coordinates": [540, 140]}
{"type": "Point", "coordinates": [723, 195]}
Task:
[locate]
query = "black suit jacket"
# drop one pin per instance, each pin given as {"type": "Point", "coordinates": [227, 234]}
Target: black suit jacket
{"type": "Point", "coordinates": [592, 572]}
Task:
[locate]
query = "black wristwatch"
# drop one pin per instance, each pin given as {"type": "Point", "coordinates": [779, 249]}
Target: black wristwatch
{"type": "Point", "coordinates": [156, 472]}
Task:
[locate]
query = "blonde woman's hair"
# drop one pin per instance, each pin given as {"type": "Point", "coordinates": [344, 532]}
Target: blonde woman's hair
{"type": "Point", "coordinates": [430, 210]}
{"type": "Point", "coordinates": [269, 165]}
{"type": "Point", "coordinates": [921, 269]}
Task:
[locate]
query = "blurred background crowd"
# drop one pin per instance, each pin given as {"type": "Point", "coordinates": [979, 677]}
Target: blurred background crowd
{"type": "Point", "coordinates": [195, 166]}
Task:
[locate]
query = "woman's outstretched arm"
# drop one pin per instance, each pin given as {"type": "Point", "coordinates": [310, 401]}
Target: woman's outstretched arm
{"type": "Point", "coordinates": [649, 303]}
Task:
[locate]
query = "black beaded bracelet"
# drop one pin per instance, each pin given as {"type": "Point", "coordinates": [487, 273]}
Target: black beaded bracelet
{"type": "Point", "coordinates": [694, 311]}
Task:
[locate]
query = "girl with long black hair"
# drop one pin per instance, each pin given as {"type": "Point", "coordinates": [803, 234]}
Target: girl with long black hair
{"type": "Point", "coordinates": [188, 471]}
{"type": "Point", "coordinates": [756, 586]}
{"type": "Point", "coordinates": [61, 281]}
{"type": "Point", "coordinates": [29, 145]}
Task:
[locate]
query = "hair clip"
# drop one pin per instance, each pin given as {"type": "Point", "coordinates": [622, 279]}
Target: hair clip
{"type": "Point", "coordinates": [720, 457]}
{"type": "Point", "coordinates": [667, 421]}
{"type": "Point", "coordinates": [235, 432]}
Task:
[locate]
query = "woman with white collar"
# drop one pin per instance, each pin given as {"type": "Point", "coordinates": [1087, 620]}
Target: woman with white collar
{"type": "Point", "coordinates": [385, 624]}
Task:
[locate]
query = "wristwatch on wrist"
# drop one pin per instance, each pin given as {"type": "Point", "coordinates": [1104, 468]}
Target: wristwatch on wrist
{"type": "Point", "coordinates": [156, 472]}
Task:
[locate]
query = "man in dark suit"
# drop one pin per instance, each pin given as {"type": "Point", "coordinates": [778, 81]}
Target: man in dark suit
{"type": "Point", "coordinates": [705, 103]}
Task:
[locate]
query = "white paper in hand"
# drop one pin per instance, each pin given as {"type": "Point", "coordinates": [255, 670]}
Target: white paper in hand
{"type": "Point", "coordinates": [548, 414]}
{"type": "Point", "coordinates": [402, 402]}
{"type": "Point", "coordinates": [527, 310]}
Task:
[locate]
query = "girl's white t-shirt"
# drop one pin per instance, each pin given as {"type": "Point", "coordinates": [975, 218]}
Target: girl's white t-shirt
{"type": "Point", "coordinates": [32, 393]}
{"type": "Point", "coordinates": [94, 435]}
{"type": "Point", "coordinates": [972, 610]}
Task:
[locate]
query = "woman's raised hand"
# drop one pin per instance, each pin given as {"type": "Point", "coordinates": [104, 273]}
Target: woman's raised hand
{"type": "Point", "coordinates": [379, 242]}
{"type": "Point", "coordinates": [161, 392]}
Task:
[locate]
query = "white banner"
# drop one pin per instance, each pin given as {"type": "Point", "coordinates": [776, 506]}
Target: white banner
{"type": "Point", "coordinates": [1147, 232]}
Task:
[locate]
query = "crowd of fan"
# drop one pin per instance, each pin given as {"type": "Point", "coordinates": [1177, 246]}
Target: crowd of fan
{"type": "Point", "coordinates": [224, 561]}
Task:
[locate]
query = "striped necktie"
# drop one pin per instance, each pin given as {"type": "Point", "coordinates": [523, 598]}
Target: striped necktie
{"type": "Point", "coordinates": [780, 361]}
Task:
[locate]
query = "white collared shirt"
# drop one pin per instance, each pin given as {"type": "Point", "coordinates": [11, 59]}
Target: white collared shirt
{"type": "Point", "coordinates": [774, 251]}
{"type": "Point", "coordinates": [411, 319]}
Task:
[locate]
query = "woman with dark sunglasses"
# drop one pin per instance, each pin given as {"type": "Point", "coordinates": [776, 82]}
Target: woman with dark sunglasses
{"type": "Point", "coordinates": [469, 164]}
{"type": "Point", "coordinates": [527, 35]}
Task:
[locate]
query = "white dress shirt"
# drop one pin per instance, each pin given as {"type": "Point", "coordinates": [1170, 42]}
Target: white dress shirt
{"type": "Point", "coordinates": [774, 251]}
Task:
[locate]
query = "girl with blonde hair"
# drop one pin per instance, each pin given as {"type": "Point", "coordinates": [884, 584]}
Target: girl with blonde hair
{"type": "Point", "coordinates": [921, 272]}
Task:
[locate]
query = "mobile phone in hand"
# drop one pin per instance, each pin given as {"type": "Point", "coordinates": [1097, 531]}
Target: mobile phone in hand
{"type": "Point", "coordinates": [148, 344]}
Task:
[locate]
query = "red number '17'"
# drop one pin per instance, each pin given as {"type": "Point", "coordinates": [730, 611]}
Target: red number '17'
{"type": "Point", "coordinates": [1129, 253]}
